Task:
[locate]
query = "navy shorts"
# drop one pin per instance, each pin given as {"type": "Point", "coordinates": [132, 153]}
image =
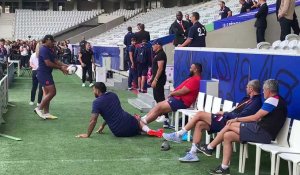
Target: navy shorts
{"type": "Point", "coordinates": [252, 132]}
{"type": "Point", "coordinates": [218, 122]}
{"type": "Point", "coordinates": [142, 69]}
{"type": "Point", "coordinates": [45, 79]}
{"type": "Point", "coordinates": [176, 104]}
{"type": "Point", "coordinates": [128, 128]}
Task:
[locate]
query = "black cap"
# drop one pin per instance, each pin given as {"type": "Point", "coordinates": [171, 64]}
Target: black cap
{"type": "Point", "coordinates": [49, 37]}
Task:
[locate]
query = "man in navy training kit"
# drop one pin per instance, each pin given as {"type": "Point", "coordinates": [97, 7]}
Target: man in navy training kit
{"type": "Point", "coordinates": [121, 123]}
{"type": "Point", "coordinates": [214, 123]}
{"type": "Point", "coordinates": [132, 78]}
{"type": "Point", "coordinates": [47, 62]}
{"type": "Point", "coordinates": [197, 33]}
{"type": "Point", "coordinates": [86, 59]}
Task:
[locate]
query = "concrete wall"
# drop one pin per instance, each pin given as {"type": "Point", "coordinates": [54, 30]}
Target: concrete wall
{"type": "Point", "coordinates": [244, 35]}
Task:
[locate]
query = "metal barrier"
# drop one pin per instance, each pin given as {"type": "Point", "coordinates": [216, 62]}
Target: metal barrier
{"type": "Point", "coordinates": [10, 73]}
{"type": "Point", "coordinates": [3, 97]}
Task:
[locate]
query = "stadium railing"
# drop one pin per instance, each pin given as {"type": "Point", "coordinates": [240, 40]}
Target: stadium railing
{"type": "Point", "coordinates": [4, 97]}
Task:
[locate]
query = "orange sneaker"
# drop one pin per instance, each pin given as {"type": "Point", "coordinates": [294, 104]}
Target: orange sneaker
{"type": "Point", "coordinates": [158, 133]}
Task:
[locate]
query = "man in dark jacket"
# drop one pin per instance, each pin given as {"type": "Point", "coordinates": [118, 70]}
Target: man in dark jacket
{"type": "Point", "coordinates": [261, 21]}
{"type": "Point", "coordinates": [142, 34]}
{"type": "Point", "coordinates": [180, 28]}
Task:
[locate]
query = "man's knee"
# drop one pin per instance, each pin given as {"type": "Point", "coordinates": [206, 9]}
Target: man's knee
{"type": "Point", "coordinates": [201, 125]}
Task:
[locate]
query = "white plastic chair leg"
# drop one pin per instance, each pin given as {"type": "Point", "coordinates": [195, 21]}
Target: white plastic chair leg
{"type": "Point", "coordinates": [273, 159]}
{"type": "Point", "coordinates": [290, 167]}
{"type": "Point", "coordinates": [234, 147]}
{"type": "Point", "coordinates": [257, 160]}
{"type": "Point", "coordinates": [277, 165]}
{"type": "Point", "coordinates": [176, 121]}
{"type": "Point", "coordinates": [295, 168]}
{"type": "Point", "coordinates": [241, 157]}
{"type": "Point", "coordinates": [245, 155]}
{"type": "Point", "coordinates": [182, 120]}
{"type": "Point", "coordinates": [218, 150]}
{"type": "Point", "coordinates": [207, 138]}
{"type": "Point", "coordinates": [189, 132]}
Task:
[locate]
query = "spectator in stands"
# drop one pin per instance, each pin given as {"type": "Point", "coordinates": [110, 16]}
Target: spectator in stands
{"type": "Point", "coordinates": [187, 18]}
{"type": "Point", "coordinates": [132, 64]}
{"type": "Point", "coordinates": [261, 21]}
{"type": "Point", "coordinates": [225, 12]}
{"type": "Point", "coordinates": [181, 98]}
{"type": "Point", "coordinates": [245, 6]}
{"type": "Point", "coordinates": [7, 46]}
{"type": "Point", "coordinates": [24, 51]}
{"type": "Point", "coordinates": [3, 58]}
{"type": "Point", "coordinates": [285, 10]}
{"type": "Point", "coordinates": [69, 45]}
{"type": "Point", "coordinates": [214, 123]}
{"type": "Point", "coordinates": [262, 127]}
{"type": "Point", "coordinates": [86, 59]}
{"type": "Point", "coordinates": [197, 33]}
{"type": "Point", "coordinates": [34, 64]}
{"type": "Point", "coordinates": [180, 29]}
{"type": "Point", "coordinates": [159, 77]}
{"type": "Point", "coordinates": [142, 34]}
{"type": "Point", "coordinates": [142, 60]}
{"type": "Point", "coordinates": [82, 43]}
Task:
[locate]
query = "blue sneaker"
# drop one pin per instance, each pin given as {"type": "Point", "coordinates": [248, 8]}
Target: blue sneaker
{"type": "Point", "coordinates": [189, 157]}
{"type": "Point", "coordinates": [172, 137]}
{"type": "Point", "coordinates": [185, 137]}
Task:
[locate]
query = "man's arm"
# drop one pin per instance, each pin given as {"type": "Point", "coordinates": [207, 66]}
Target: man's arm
{"type": "Point", "coordinates": [160, 69]}
{"type": "Point", "coordinates": [180, 92]}
{"type": "Point", "coordinates": [186, 43]}
{"type": "Point", "coordinates": [91, 127]}
{"type": "Point", "coordinates": [102, 126]}
{"type": "Point", "coordinates": [253, 118]}
{"type": "Point", "coordinates": [131, 59]}
{"type": "Point", "coordinates": [284, 10]}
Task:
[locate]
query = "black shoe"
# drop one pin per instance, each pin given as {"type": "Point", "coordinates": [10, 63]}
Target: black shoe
{"type": "Point", "coordinates": [219, 170]}
{"type": "Point", "coordinates": [198, 149]}
{"type": "Point", "coordinates": [205, 150]}
{"type": "Point", "coordinates": [166, 124]}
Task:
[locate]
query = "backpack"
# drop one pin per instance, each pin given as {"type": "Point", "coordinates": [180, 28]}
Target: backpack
{"type": "Point", "coordinates": [141, 54]}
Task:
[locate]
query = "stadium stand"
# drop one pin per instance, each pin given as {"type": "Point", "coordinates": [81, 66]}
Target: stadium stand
{"type": "Point", "coordinates": [39, 23]}
{"type": "Point", "coordinates": [126, 13]}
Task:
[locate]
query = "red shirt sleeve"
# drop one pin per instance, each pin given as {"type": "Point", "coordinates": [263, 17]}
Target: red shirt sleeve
{"type": "Point", "coordinates": [193, 84]}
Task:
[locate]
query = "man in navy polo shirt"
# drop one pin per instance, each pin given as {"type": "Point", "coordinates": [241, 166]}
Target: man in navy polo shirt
{"type": "Point", "coordinates": [225, 12]}
{"type": "Point", "coordinates": [197, 33]}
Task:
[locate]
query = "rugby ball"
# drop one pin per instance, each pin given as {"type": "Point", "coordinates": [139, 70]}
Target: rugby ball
{"type": "Point", "coordinates": [72, 69]}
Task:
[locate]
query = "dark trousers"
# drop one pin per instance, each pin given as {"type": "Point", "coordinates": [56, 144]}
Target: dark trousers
{"type": "Point", "coordinates": [87, 69]}
{"type": "Point", "coordinates": [285, 25]}
{"type": "Point", "coordinates": [295, 24]}
{"type": "Point", "coordinates": [35, 85]}
{"type": "Point", "coordinates": [159, 94]}
{"type": "Point", "coordinates": [260, 34]}
{"type": "Point", "coordinates": [24, 61]}
{"type": "Point", "coordinates": [132, 77]}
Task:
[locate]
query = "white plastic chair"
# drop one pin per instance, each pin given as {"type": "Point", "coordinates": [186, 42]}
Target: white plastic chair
{"type": "Point", "coordinates": [227, 106]}
{"type": "Point", "coordinates": [276, 45]}
{"type": "Point", "coordinates": [291, 37]}
{"type": "Point", "coordinates": [284, 45]}
{"type": "Point", "coordinates": [291, 158]}
{"type": "Point", "coordinates": [293, 45]}
{"type": "Point", "coordinates": [263, 45]}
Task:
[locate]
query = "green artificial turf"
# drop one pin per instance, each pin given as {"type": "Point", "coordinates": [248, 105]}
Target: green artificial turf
{"type": "Point", "coordinates": [50, 147]}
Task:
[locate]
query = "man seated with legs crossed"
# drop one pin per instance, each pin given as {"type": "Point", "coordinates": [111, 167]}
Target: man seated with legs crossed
{"type": "Point", "coordinates": [181, 98]}
{"type": "Point", "coordinates": [213, 123]}
{"type": "Point", "coordinates": [262, 127]}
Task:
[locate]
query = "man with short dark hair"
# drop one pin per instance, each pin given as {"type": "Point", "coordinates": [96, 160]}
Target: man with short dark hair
{"type": "Point", "coordinates": [82, 43]}
{"type": "Point", "coordinates": [121, 123]}
{"type": "Point", "coordinates": [127, 43]}
{"type": "Point", "coordinates": [261, 21]}
{"type": "Point", "coordinates": [180, 29]}
{"type": "Point", "coordinates": [225, 12]}
{"type": "Point", "coordinates": [197, 33]}
{"type": "Point", "coordinates": [142, 56]}
{"type": "Point", "coordinates": [86, 59]}
{"type": "Point", "coordinates": [142, 34]}
{"type": "Point", "coordinates": [187, 18]}
{"type": "Point", "coordinates": [245, 6]}
{"type": "Point", "coordinates": [262, 127]}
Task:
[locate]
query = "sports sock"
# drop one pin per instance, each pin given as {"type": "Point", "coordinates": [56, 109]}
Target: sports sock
{"type": "Point", "coordinates": [209, 147]}
{"type": "Point", "coordinates": [181, 132]}
{"type": "Point", "coordinates": [145, 128]}
{"type": "Point", "coordinates": [193, 149]}
{"type": "Point", "coordinates": [224, 166]}
{"type": "Point", "coordinates": [143, 119]}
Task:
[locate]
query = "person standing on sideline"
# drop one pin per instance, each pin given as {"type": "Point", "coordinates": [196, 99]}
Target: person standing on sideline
{"type": "Point", "coordinates": [34, 64]}
{"type": "Point", "coordinates": [261, 21]}
{"type": "Point", "coordinates": [180, 29]}
{"type": "Point", "coordinates": [295, 24]}
{"type": "Point", "coordinates": [285, 10]}
{"type": "Point", "coordinates": [197, 33]}
{"type": "Point", "coordinates": [245, 7]}
{"type": "Point", "coordinates": [187, 18]}
{"type": "Point", "coordinates": [127, 43]}
{"type": "Point", "coordinates": [142, 59]}
{"type": "Point", "coordinates": [142, 34]}
{"type": "Point", "coordinates": [47, 62]}
{"type": "Point", "coordinates": [132, 64]}
{"type": "Point", "coordinates": [82, 43]}
{"type": "Point", "coordinates": [225, 12]}
{"type": "Point", "coordinates": [86, 59]}
{"type": "Point", "coordinates": [159, 77]}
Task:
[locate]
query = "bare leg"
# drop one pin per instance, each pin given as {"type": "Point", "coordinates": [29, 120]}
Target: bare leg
{"type": "Point", "coordinates": [140, 83]}
{"type": "Point", "coordinates": [229, 137]}
{"type": "Point", "coordinates": [143, 82]}
{"type": "Point", "coordinates": [159, 109]}
{"type": "Point", "coordinates": [233, 127]}
{"type": "Point", "coordinates": [50, 92]}
{"type": "Point", "coordinates": [200, 126]}
{"type": "Point", "coordinates": [199, 116]}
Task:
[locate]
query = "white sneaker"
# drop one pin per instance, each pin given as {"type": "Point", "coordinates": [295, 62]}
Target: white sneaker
{"type": "Point", "coordinates": [83, 85]}
{"type": "Point", "coordinates": [31, 103]}
{"type": "Point", "coordinates": [161, 119]}
{"type": "Point", "coordinates": [39, 113]}
{"type": "Point", "coordinates": [92, 84]}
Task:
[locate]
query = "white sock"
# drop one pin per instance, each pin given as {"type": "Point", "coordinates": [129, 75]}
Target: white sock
{"type": "Point", "coordinates": [144, 120]}
{"type": "Point", "coordinates": [181, 132]}
{"type": "Point", "coordinates": [145, 128]}
{"type": "Point", "coordinates": [209, 147]}
{"type": "Point", "coordinates": [193, 149]}
{"type": "Point", "coordinates": [224, 166]}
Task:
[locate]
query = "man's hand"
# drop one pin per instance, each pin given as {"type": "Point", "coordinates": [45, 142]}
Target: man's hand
{"type": "Point", "coordinates": [100, 130]}
{"type": "Point", "coordinates": [83, 65]}
{"type": "Point", "coordinates": [179, 45]}
{"type": "Point", "coordinates": [132, 66]}
{"type": "Point", "coordinates": [229, 122]}
{"type": "Point", "coordinates": [279, 16]}
{"type": "Point", "coordinates": [82, 136]}
{"type": "Point", "coordinates": [64, 69]}
{"type": "Point", "coordinates": [153, 84]}
{"type": "Point", "coordinates": [220, 113]}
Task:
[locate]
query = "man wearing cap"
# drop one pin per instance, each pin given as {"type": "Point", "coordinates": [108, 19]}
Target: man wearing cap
{"type": "Point", "coordinates": [159, 77]}
{"type": "Point", "coordinates": [47, 62]}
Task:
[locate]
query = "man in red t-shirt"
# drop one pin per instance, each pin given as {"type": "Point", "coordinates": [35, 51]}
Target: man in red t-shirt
{"type": "Point", "coordinates": [181, 98]}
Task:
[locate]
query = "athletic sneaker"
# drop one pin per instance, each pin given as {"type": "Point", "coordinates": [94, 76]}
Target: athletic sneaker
{"type": "Point", "coordinates": [189, 157]}
{"type": "Point", "coordinates": [31, 103]}
{"type": "Point", "coordinates": [157, 133]}
{"type": "Point", "coordinates": [83, 85]}
{"type": "Point", "coordinates": [39, 113]}
{"type": "Point", "coordinates": [172, 137]}
{"type": "Point", "coordinates": [161, 119]}
{"type": "Point", "coordinates": [198, 149]}
{"type": "Point", "coordinates": [166, 124]}
{"type": "Point", "coordinates": [91, 85]}
{"type": "Point", "coordinates": [220, 170]}
{"type": "Point", "coordinates": [130, 88]}
{"type": "Point", "coordinates": [205, 150]}
{"type": "Point", "coordinates": [50, 116]}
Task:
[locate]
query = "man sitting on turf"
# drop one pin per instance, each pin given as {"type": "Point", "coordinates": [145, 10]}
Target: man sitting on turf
{"type": "Point", "coordinates": [181, 98]}
{"type": "Point", "coordinates": [213, 123]}
{"type": "Point", "coordinates": [262, 127]}
{"type": "Point", "coordinates": [122, 124]}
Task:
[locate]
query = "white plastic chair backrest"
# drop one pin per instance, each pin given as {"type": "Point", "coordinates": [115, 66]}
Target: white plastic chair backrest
{"type": "Point", "coordinates": [282, 137]}
{"type": "Point", "coordinates": [263, 45]}
{"type": "Point", "coordinates": [200, 101]}
{"type": "Point", "coordinates": [227, 106]}
{"type": "Point", "coordinates": [291, 37]}
{"type": "Point", "coordinates": [293, 44]}
{"type": "Point", "coordinates": [216, 107]}
{"type": "Point", "coordinates": [276, 44]}
{"type": "Point", "coordinates": [284, 45]}
{"type": "Point", "coordinates": [208, 103]}
{"type": "Point", "coordinates": [294, 137]}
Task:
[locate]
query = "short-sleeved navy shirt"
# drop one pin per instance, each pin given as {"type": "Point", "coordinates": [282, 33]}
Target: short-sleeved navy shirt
{"type": "Point", "coordinates": [197, 33]}
{"type": "Point", "coordinates": [119, 121]}
{"type": "Point", "coordinates": [224, 12]}
{"type": "Point", "coordinates": [45, 53]}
